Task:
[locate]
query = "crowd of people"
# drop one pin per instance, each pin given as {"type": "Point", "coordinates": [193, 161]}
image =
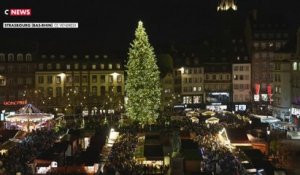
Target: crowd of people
{"type": "Point", "coordinates": [18, 157]}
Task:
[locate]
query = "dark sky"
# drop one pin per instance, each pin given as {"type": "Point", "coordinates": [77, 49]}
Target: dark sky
{"type": "Point", "coordinates": [112, 23]}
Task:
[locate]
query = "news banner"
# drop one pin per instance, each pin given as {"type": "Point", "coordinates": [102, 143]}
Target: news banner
{"type": "Point", "coordinates": [28, 25]}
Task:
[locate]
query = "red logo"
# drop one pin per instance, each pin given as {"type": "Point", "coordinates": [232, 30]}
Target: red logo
{"type": "Point", "coordinates": [17, 12]}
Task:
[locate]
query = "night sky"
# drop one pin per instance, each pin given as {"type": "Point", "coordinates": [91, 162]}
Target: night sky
{"type": "Point", "coordinates": [112, 23]}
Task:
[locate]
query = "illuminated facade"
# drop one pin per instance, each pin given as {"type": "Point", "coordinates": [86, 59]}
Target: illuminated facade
{"type": "Point", "coordinates": [91, 84]}
{"type": "Point", "coordinates": [281, 86]}
{"type": "Point", "coordinates": [264, 36]}
{"type": "Point", "coordinates": [16, 76]}
{"type": "Point", "coordinates": [225, 5]}
{"type": "Point", "coordinates": [192, 87]}
{"type": "Point", "coordinates": [295, 77]}
{"type": "Point", "coordinates": [169, 96]}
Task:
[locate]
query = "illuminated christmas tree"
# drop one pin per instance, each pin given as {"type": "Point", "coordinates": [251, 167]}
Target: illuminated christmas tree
{"type": "Point", "coordinates": [143, 82]}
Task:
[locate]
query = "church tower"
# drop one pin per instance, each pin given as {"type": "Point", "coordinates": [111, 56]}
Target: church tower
{"type": "Point", "coordinates": [226, 5]}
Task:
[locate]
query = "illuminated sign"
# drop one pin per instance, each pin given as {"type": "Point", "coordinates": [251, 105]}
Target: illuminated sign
{"type": "Point", "coordinates": [257, 88]}
{"type": "Point", "coordinates": [256, 97]}
{"type": "Point", "coordinates": [17, 12]}
{"type": "Point", "coordinates": [14, 103]}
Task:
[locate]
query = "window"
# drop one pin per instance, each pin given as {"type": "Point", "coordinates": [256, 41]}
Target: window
{"type": "Point", "coordinates": [84, 66]}
{"type": "Point", "coordinates": [214, 77]}
{"type": "Point", "coordinates": [94, 66]}
{"type": "Point", "coordinates": [49, 79]}
{"type": "Point", "coordinates": [119, 89]}
{"type": "Point", "coordinates": [28, 57]}
{"type": "Point", "coordinates": [49, 66]}
{"type": "Point", "coordinates": [190, 80]}
{"type": "Point", "coordinates": [110, 79]}
{"type": "Point", "coordinates": [58, 92]}
{"type": "Point", "coordinates": [241, 68]}
{"type": "Point", "coordinates": [57, 66]}
{"type": "Point", "coordinates": [94, 78]}
{"type": "Point", "coordinates": [199, 88]}
{"type": "Point", "coordinates": [58, 80]}
{"type": "Point", "coordinates": [197, 99]}
{"type": "Point", "coordinates": [187, 99]}
{"type": "Point", "coordinates": [102, 90]}
{"type": "Point", "coordinates": [19, 57]}
{"type": "Point", "coordinates": [241, 77]}
{"type": "Point", "coordinates": [294, 65]}
{"type": "Point", "coordinates": [194, 89]}
{"type": "Point", "coordinates": [10, 57]}
{"type": "Point", "coordinates": [84, 79]}
{"type": "Point", "coordinates": [118, 66]}
{"type": "Point", "coordinates": [111, 89]}
{"type": "Point", "coordinates": [195, 70]}
{"type": "Point", "coordinates": [221, 77]}
{"type": "Point", "coordinates": [246, 77]}
{"type": "Point", "coordinates": [2, 57]}
{"type": "Point", "coordinates": [94, 90]}
{"type": "Point", "coordinates": [207, 77]}
{"type": "Point", "coordinates": [40, 66]}
{"type": "Point", "coordinates": [102, 66]}
{"type": "Point", "coordinates": [76, 66]}
{"type": "Point", "coordinates": [41, 79]}
{"type": "Point", "coordinates": [20, 81]}
{"type": "Point", "coordinates": [76, 79]}
{"type": "Point", "coordinates": [2, 82]}
{"type": "Point", "coordinates": [69, 79]}
{"type": "Point", "coordinates": [50, 91]}
{"type": "Point", "coordinates": [236, 68]}
{"type": "Point", "coordinates": [68, 66]}
{"type": "Point", "coordinates": [28, 81]}
{"type": "Point", "coordinates": [235, 77]}
{"type": "Point", "coordinates": [102, 78]}
{"type": "Point", "coordinates": [2, 68]}
{"type": "Point", "coordinates": [184, 89]}
{"type": "Point", "coordinates": [109, 66]}
{"type": "Point", "coordinates": [119, 78]}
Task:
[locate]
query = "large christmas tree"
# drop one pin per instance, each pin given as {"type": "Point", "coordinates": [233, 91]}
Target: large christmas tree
{"type": "Point", "coordinates": [143, 83]}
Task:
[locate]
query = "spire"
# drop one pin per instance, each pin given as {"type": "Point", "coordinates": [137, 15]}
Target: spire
{"type": "Point", "coordinates": [226, 5]}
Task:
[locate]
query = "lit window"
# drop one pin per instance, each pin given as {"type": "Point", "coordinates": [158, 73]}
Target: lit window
{"type": "Point", "coordinates": [94, 66]}
{"type": "Point", "coordinates": [118, 66]}
{"type": "Point", "coordinates": [199, 88]}
{"type": "Point", "coordinates": [119, 78]}
{"type": "Point", "coordinates": [58, 80]}
{"type": "Point", "coordinates": [194, 89]}
{"type": "Point", "coordinates": [295, 66]}
{"type": "Point", "coordinates": [76, 66]}
{"type": "Point", "coordinates": [68, 66]}
{"type": "Point", "coordinates": [109, 66]}
{"type": "Point", "coordinates": [101, 66]}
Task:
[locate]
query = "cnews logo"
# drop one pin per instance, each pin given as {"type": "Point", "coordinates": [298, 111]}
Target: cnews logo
{"type": "Point", "coordinates": [17, 12]}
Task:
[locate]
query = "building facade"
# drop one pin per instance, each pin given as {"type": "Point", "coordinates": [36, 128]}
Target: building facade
{"type": "Point", "coordinates": [87, 83]}
{"type": "Point", "coordinates": [281, 85]}
{"type": "Point", "coordinates": [264, 35]}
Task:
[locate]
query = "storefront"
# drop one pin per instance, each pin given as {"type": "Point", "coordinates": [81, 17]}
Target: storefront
{"type": "Point", "coordinates": [295, 115]}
